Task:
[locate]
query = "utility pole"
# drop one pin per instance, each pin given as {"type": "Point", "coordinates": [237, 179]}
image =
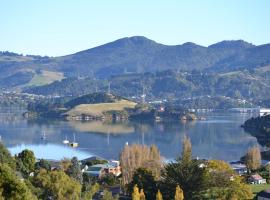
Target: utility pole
{"type": "Point", "coordinates": [143, 95]}
{"type": "Point", "coordinates": [109, 88]}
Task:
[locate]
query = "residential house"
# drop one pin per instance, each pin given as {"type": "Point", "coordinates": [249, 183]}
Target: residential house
{"type": "Point", "coordinates": [239, 168]}
{"type": "Point", "coordinates": [100, 170]}
{"type": "Point", "coordinates": [256, 179]}
{"type": "Point", "coordinates": [95, 170]}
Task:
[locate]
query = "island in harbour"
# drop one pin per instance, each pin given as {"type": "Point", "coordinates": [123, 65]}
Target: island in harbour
{"type": "Point", "coordinates": [106, 107]}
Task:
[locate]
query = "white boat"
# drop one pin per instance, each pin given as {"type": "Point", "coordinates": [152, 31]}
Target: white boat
{"type": "Point", "coordinates": [66, 141]}
{"type": "Point", "coordinates": [74, 143]}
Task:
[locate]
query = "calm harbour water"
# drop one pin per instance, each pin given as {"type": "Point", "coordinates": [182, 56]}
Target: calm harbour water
{"type": "Point", "coordinates": [218, 137]}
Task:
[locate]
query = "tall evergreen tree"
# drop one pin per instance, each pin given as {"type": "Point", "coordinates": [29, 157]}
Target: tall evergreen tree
{"type": "Point", "coordinates": [186, 150]}
{"type": "Point", "coordinates": [74, 170]}
{"type": "Point", "coordinates": [185, 172]}
{"type": "Point", "coordinates": [144, 179]}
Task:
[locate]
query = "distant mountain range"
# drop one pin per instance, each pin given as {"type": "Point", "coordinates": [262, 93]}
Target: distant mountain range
{"type": "Point", "coordinates": [131, 55]}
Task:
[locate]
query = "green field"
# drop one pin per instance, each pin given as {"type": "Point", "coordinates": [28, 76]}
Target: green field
{"type": "Point", "coordinates": [100, 108]}
{"type": "Point", "coordinates": [259, 187]}
{"type": "Point", "coordinates": [45, 77]}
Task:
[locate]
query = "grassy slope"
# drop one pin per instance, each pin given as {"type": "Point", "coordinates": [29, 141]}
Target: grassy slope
{"type": "Point", "coordinates": [46, 77]}
{"type": "Point", "coordinates": [256, 188]}
{"type": "Point", "coordinates": [100, 108]}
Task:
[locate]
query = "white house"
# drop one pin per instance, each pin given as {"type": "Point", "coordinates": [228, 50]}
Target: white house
{"type": "Point", "coordinates": [256, 179]}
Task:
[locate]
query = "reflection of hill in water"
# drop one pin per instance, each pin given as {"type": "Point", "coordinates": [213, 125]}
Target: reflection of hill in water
{"type": "Point", "coordinates": [101, 127]}
{"type": "Point", "coordinates": [219, 137]}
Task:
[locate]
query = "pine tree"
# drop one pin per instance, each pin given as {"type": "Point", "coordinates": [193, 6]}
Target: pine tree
{"type": "Point", "coordinates": [187, 150]}
{"type": "Point", "coordinates": [142, 196]}
{"type": "Point", "coordinates": [179, 195]}
{"type": "Point", "coordinates": [135, 194]}
{"type": "Point", "coordinates": [159, 196]}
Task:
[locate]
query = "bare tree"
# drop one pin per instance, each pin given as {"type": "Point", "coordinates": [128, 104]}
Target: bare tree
{"type": "Point", "coordinates": [136, 156]}
{"type": "Point", "coordinates": [253, 158]}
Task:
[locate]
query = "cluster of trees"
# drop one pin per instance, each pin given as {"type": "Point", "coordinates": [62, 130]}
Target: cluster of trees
{"type": "Point", "coordinates": [186, 177]}
{"type": "Point", "coordinates": [23, 177]}
{"type": "Point", "coordinates": [144, 176]}
{"type": "Point", "coordinates": [259, 127]}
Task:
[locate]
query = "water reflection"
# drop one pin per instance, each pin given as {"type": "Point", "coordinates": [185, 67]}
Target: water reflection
{"type": "Point", "coordinates": [219, 137]}
{"type": "Point", "coordinates": [102, 127]}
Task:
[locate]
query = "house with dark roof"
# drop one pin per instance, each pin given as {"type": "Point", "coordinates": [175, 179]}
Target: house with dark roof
{"type": "Point", "coordinates": [239, 168]}
{"type": "Point", "coordinates": [264, 195]}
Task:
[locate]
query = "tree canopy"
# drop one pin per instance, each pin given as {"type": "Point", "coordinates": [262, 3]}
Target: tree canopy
{"type": "Point", "coordinates": [11, 187]}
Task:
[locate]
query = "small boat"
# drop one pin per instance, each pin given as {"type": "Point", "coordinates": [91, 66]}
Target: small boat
{"type": "Point", "coordinates": [43, 136]}
{"type": "Point", "coordinates": [74, 143]}
{"type": "Point", "coordinates": [66, 141]}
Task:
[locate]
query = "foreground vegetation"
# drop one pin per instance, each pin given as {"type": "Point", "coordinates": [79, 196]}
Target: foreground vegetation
{"type": "Point", "coordinates": [144, 176]}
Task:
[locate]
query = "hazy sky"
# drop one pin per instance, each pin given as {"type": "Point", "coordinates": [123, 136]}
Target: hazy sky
{"type": "Point", "coordinates": [59, 27]}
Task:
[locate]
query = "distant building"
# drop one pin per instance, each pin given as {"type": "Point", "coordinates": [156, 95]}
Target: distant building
{"type": "Point", "coordinates": [100, 170]}
{"type": "Point", "coordinates": [239, 168]}
{"type": "Point", "coordinates": [264, 111]}
{"type": "Point", "coordinates": [256, 179]}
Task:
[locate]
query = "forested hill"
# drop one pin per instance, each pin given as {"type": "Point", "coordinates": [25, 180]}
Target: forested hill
{"type": "Point", "coordinates": [260, 128]}
{"type": "Point", "coordinates": [246, 84]}
{"type": "Point", "coordinates": [131, 55]}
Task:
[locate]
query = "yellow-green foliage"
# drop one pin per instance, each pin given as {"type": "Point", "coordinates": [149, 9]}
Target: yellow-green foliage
{"type": "Point", "coordinates": [159, 196]}
{"type": "Point", "coordinates": [179, 195]}
{"type": "Point", "coordinates": [59, 185]}
{"type": "Point", "coordinates": [11, 187]}
{"type": "Point", "coordinates": [219, 165]}
{"type": "Point", "coordinates": [142, 196]}
{"type": "Point", "coordinates": [135, 194]}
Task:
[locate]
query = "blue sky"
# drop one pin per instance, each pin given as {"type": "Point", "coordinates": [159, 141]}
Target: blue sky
{"type": "Point", "coordinates": [60, 27]}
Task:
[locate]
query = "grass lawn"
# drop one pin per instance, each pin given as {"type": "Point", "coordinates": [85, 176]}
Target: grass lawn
{"type": "Point", "coordinates": [46, 77]}
{"type": "Point", "coordinates": [259, 187]}
{"type": "Point", "coordinates": [99, 108]}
